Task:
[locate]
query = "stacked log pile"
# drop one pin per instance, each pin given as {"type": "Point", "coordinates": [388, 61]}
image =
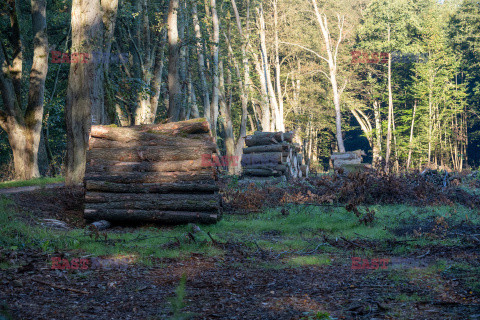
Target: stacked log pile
{"type": "Point", "coordinates": [152, 173]}
{"type": "Point", "coordinates": [350, 161]}
{"type": "Point", "coordinates": [273, 154]}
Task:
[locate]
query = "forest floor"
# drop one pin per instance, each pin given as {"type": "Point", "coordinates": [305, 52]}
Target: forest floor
{"type": "Point", "coordinates": [294, 261]}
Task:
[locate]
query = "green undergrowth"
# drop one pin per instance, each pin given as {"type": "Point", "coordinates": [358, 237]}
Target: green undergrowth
{"type": "Point", "coordinates": [298, 236]}
{"type": "Point", "coordinates": [33, 182]}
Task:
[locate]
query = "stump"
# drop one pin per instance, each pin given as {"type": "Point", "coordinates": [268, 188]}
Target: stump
{"type": "Point", "coordinates": [152, 173]}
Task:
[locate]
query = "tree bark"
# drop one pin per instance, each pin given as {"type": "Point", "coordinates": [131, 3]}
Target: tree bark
{"type": "Point", "coordinates": [390, 110]}
{"type": "Point", "coordinates": [174, 202]}
{"type": "Point", "coordinates": [24, 128]}
{"type": "Point", "coordinates": [161, 177]}
{"type": "Point", "coordinates": [332, 67]}
{"type": "Point", "coordinates": [266, 148]}
{"type": "Point", "coordinates": [182, 128]}
{"type": "Point", "coordinates": [201, 63]}
{"type": "Point", "coordinates": [151, 139]}
{"type": "Point", "coordinates": [216, 79]}
{"type": "Point", "coordinates": [152, 216]}
{"type": "Point", "coordinates": [206, 187]}
{"type": "Point", "coordinates": [262, 158]}
{"type": "Point", "coordinates": [149, 153]}
{"type": "Point", "coordinates": [99, 166]}
{"type": "Point", "coordinates": [174, 86]}
{"type": "Point", "coordinates": [84, 104]}
{"type": "Point", "coordinates": [264, 138]}
{"type": "Point", "coordinates": [410, 142]}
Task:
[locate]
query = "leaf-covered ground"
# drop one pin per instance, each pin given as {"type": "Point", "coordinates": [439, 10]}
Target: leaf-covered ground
{"type": "Point", "coordinates": [293, 261]}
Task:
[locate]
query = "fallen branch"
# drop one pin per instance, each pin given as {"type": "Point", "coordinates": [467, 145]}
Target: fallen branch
{"type": "Point", "coordinates": [60, 287]}
{"type": "Point", "coordinates": [353, 243]}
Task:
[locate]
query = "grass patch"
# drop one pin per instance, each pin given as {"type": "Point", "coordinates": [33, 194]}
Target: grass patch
{"type": "Point", "coordinates": [300, 233]}
{"type": "Point", "coordinates": [33, 182]}
{"type": "Point", "coordinates": [314, 260]}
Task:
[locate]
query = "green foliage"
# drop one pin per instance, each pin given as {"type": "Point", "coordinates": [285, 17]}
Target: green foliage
{"type": "Point", "coordinates": [178, 302]}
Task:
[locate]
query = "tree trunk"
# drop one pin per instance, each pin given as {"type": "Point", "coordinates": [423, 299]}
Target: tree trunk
{"type": "Point", "coordinates": [332, 66]}
{"type": "Point", "coordinates": [201, 63]}
{"type": "Point", "coordinates": [24, 128]}
{"type": "Point", "coordinates": [377, 150]}
{"type": "Point", "coordinates": [390, 110]}
{"type": "Point", "coordinates": [156, 84]}
{"type": "Point", "coordinates": [174, 86]}
{"type": "Point", "coordinates": [215, 52]}
{"type": "Point", "coordinates": [84, 103]}
{"type": "Point", "coordinates": [228, 126]}
{"type": "Point", "coordinates": [280, 121]}
{"type": "Point", "coordinates": [410, 143]}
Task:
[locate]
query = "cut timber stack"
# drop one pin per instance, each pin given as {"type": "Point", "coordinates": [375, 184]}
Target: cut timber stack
{"type": "Point", "coordinates": [349, 161]}
{"type": "Point", "coordinates": [152, 173]}
{"type": "Point", "coordinates": [273, 154]}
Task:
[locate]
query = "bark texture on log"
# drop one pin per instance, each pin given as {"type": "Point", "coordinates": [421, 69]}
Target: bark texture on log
{"type": "Point", "coordinates": [262, 172]}
{"type": "Point", "coordinates": [158, 177]}
{"type": "Point", "coordinates": [163, 216]}
{"type": "Point", "coordinates": [149, 153]}
{"type": "Point", "coordinates": [268, 148]}
{"type": "Point", "coordinates": [192, 126]}
{"type": "Point", "coordinates": [189, 187]}
{"type": "Point", "coordinates": [106, 166]}
{"type": "Point", "coordinates": [262, 158]}
{"type": "Point", "coordinates": [264, 138]}
{"type": "Point", "coordinates": [200, 203]}
{"type": "Point", "coordinates": [144, 139]}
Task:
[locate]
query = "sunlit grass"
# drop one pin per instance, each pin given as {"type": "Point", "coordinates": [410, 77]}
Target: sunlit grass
{"type": "Point", "coordinates": [297, 238]}
{"type": "Point", "coordinates": [314, 260]}
{"type": "Point", "coordinates": [33, 182]}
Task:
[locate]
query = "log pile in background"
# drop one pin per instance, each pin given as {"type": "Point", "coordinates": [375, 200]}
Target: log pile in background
{"type": "Point", "coordinates": [350, 161]}
{"type": "Point", "coordinates": [273, 154]}
{"type": "Point", "coordinates": [152, 173]}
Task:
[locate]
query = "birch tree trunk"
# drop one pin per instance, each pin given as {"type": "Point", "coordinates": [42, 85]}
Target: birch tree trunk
{"type": "Point", "coordinates": [390, 110]}
{"type": "Point", "coordinates": [280, 123]}
{"type": "Point", "coordinates": [410, 142]}
{"type": "Point", "coordinates": [277, 119]}
{"type": "Point", "coordinates": [332, 67]}
{"type": "Point", "coordinates": [244, 85]}
{"type": "Point", "coordinates": [377, 150]}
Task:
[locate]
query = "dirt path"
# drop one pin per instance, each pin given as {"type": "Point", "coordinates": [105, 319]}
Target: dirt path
{"type": "Point", "coordinates": [30, 188]}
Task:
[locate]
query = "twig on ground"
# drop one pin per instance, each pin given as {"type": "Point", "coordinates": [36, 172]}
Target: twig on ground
{"type": "Point", "coordinates": [425, 254]}
{"type": "Point", "coordinates": [60, 287]}
{"type": "Point", "coordinates": [353, 243]}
